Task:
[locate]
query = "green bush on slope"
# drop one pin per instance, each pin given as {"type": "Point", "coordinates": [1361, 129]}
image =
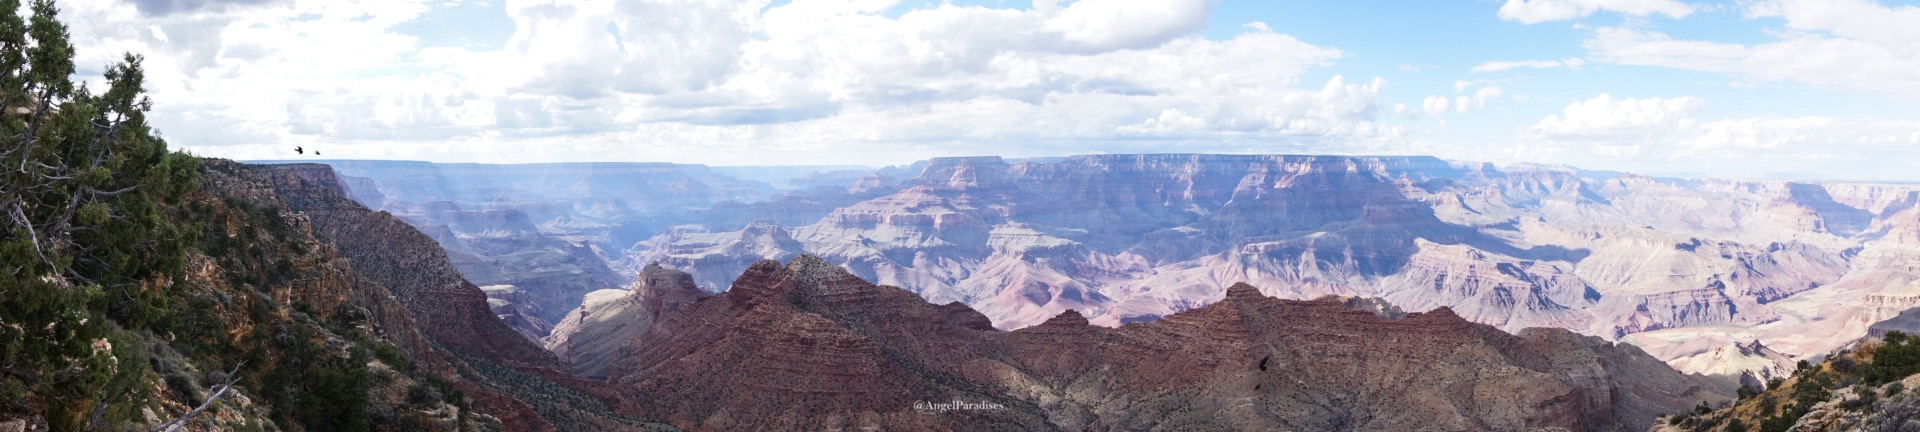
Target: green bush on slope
{"type": "Point", "coordinates": [88, 250]}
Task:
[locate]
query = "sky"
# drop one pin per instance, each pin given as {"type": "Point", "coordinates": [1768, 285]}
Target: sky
{"type": "Point", "coordinates": [1798, 89]}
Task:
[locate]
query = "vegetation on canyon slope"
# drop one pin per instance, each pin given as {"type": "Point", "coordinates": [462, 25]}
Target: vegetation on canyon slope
{"type": "Point", "coordinates": [1864, 388]}
{"type": "Point", "coordinates": [90, 247]}
{"type": "Point", "coordinates": [103, 326]}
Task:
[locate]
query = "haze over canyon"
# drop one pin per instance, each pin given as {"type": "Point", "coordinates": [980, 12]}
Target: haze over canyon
{"type": "Point", "coordinates": [1713, 276]}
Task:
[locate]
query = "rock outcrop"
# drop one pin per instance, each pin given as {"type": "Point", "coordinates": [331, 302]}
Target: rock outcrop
{"type": "Point", "coordinates": [1752, 362]}
{"type": "Point", "coordinates": [588, 340]}
{"type": "Point", "coordinates": [1132, 238]}
{"type": "Point", "coordinates": [1803, 267]}
{"type": "Point", "coordinates": [514, 306]}
{"type": "Point", "coordinates": [809, 345]}
{"type": "Point", "coordinates": [502, 372]}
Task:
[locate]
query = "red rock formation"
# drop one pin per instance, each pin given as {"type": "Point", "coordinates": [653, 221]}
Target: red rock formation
{"type": "Point", "coordinates": [590, 337]}
{"type": "Point", "coordinates": [810, 346]}
{"type": "Point", "coordinates": [505, 374]}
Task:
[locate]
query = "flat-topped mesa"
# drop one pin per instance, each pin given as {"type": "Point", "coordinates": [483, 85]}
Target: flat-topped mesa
{"type": "Point", "coordinates": [964, 172]}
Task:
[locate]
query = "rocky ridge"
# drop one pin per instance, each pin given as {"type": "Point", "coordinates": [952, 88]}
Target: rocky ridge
{"type": "Point", "coordinates": [503, 372]}
{"type": "Point", "coordinates": [1799, 266]}
{"type": "Point", "coordinates": [809, 345]}
{"type": "Point", "coordinates": [1130, 238]}
{"type": "Point", "coordinates": [589, 339]}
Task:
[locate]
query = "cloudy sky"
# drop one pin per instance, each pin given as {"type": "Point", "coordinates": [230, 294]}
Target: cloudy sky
{"type": "Point", "coordinates": [1747, 88]}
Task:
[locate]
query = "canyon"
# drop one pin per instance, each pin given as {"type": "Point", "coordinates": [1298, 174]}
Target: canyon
{"type": "Point", "coordinates": [1683, 268]}
{"type": "Point", "coordinates": [810, 344]}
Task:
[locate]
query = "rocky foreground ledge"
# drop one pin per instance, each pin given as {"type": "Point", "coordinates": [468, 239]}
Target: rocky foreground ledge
{"type": "Point", "coordinates": [807, 345]}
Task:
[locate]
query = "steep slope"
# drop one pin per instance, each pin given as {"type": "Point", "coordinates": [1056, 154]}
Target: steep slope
{"type": "Point", "coordinates": [518, 309]}
{"type": "Point", "coordinates": [311, 344]}
{"type": "Point", "coordinates": [590, 337]}
{"type": "Point", "coordinates": [1801, 267]}
{"type": "Point", "coordinates": [509, 372]}
{"type": "Point", "coordinates": [1862, 388]}
{"type": "Point", "coordinates": [809, 345]}
{"type": "Point", "coordinates": [504, 247]}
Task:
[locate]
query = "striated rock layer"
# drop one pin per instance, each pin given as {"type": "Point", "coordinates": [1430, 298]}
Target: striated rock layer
{"type": "Point", "coordinates": [810, 346]}
{"type": "Point", "coordinates": [591, 336]}
{"type": "Point", "coordinates": [504, 373]}
{"type": "Point", "coordinates": [1803, 267]}
{"type": "Point", "coordinates": [517, 308]}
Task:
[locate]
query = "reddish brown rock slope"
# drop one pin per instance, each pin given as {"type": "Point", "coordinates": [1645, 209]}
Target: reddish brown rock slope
{"type": "Point", "coordinates": [511, 377]}
{"type": "Point", "coordinates": [810, 346]}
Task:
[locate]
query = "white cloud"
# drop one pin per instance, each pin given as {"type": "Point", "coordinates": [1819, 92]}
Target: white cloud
{"type": "Point", "coordinates": [1666, 135]}
{"type": "Point", "coordinates": [1437, 106]}
{"type": "Point", "coordinates": [1499, 65]}
{"type": "Point", "coordinates": [1538, 11]}
{"type": "Point", "coordinates": [1608, 117]}
{"type": "Point", "coordinates": [1849, 44]}
{"type": "Point", "coordinates": [717, 81]}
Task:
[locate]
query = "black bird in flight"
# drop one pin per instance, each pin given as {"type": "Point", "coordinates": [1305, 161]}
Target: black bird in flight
{"type": "Point", "coordinates": [298, 150]}
{"type": "Point", "coordinates": [316, 152]}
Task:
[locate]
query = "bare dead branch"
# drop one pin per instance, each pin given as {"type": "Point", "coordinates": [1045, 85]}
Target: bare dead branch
{"type": "Point", "coordinates": [181, 423]}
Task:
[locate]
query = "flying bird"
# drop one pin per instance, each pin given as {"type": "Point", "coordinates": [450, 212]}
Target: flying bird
{"type": "Point", "coordinates": [298, 150]}
{"type": "Point", "coordinates": [316, 152]}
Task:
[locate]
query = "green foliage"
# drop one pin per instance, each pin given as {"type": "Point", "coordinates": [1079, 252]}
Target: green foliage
{"type": "Point", "coordinates": [1812, 388]}
{"type": "Point", "coordinates": [392, 356]}
{"type": "Point", "coordinates": [337, 399]}
{"type": "Point", "coordinates": [1844, 364]}
{"type": "Point", "coordinates": [1898, 358]}
{"type": "Point", "coordinates": [1735, 425]}
{"type": "Point", "coordinates": [309, 386]}
{"type": "Point", "coordinates": [88, 248]}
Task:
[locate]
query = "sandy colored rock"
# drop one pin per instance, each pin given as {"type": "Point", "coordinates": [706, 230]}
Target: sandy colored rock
{"type": "Point", "coordinates": [591, 336]}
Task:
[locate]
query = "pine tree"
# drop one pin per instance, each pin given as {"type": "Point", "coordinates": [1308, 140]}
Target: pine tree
{"type": "Point", "coordinates": [87, 245]}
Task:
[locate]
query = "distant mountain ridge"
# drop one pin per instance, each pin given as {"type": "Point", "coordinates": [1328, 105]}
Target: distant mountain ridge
{"type": "Point", "coordinates": [1681, 267]}
{"type": "Point", "coordinates": [808, 345]}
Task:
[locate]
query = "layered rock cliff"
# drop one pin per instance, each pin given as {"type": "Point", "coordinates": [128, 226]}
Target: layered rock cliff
{"type": "Point", "coordinates": [1799, 266]}
{"type": "Point", "coordinates": [589, 339]}
{"type": "Point", "coordinates": [809, 345]}
{"type": "Point", "coordinates": [517, 308]}
{"type": "Point", "coordinates": [1130, 238]}
{"type": "Point", "coordinates": [505, 373]}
